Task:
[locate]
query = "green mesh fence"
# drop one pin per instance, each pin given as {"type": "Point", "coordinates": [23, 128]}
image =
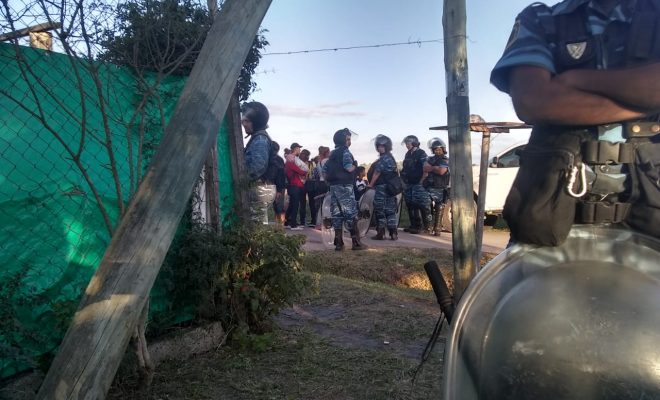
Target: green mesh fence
{"type": "Point", "coordinates": [75, 139]}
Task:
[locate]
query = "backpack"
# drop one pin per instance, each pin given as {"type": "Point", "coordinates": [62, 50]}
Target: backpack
{"type": "Point", "coordinates": [275, 165]}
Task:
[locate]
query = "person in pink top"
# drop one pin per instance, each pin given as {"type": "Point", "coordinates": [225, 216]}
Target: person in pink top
{"type": "Point", "coordinates": [295, 170]}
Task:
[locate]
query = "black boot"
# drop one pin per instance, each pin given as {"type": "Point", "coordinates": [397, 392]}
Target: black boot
{"type": "Point", "coordinates": [415, 220]}
{"type": "Point", "coordinates": [380, 234]}
{"type": "Point", "coordinates": [411, 218]}
{"type": "Point", "coordinates": [394, 234]}
{"type": "Point", "coordinates": [355, 237]}
{"type": "Point", "coordinates": [426, 220]}
{"type": "Point", "coordinates": [437, 219]}
{"type": "Point", "coordinates": [339, 240]}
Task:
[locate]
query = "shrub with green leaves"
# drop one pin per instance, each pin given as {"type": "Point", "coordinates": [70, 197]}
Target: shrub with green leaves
{"type": "Point", "coordinates": [240, 277]}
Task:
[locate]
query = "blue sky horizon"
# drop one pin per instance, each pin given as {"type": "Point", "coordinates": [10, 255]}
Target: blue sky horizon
{"type": "Point", "coordinates": [391, 90]}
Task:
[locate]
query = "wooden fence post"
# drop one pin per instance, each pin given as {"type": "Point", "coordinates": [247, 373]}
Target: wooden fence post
{"type": "Point", "coordinates": [239, 173]}
{"type": "Point", "coordinates": [212, 189]}
{"type": "Point", "coordinates": [481, 200]}
{"type": "Point", "coordinates": [460, 157]}
{"type": "Point", "coordinates": [94, 345]}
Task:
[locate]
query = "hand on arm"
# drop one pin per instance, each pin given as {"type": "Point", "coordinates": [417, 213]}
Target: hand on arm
{"type": "Point", "coordinates": [427, 167]}
{"type": "Point", "coordinates": [438, 169]}
{"type": "Point", "coordinates": [637, 88]}
{"type": "Point", "coordinates": [295, 168]}
{"type": "Point", "coordinates": [538, 98]}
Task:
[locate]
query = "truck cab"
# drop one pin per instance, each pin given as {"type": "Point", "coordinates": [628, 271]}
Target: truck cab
{"type": "Point", "coordinates": [502, 170]}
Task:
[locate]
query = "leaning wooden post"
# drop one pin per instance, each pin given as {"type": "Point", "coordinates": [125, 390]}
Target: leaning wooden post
{"type": "Point", "coordinates": [94, 345]}
{"type": "Point", "coordinates": [460, 159]}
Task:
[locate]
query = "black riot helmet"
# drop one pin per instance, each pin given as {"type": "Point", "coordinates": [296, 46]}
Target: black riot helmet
{"type": "Point", "coordinates": [412, 140]}
{"type": "Point", "coordinates": [340, 136]}
{"type": "Point", "coordinates": [257, 113]}
{"type": "Point", "coordinates": [437, 142]}
{"type": "Point", "coordinates": [382, 140]}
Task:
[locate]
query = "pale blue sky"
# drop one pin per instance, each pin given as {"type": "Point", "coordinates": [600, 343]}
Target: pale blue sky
{"type": "Point", "coordinates": [395, 91]}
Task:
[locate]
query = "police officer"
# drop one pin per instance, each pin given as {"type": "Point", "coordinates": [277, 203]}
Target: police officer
{"type": "Point", "coordinates": [437, 179]}
{"type": "Point", "coordinates": [385, 205]}
{"type": "Point", "coordinates": [585, 73]}
{"type": "Point", "coordinates": [339, 173]}
{"type": "Point", "coordinates": [257, 155]}
{"type": "Point", "coordinates": [417, 198]}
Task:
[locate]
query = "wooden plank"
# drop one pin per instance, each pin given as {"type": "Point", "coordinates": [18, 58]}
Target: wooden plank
{"type": "Point", "coordinates": [239, 172]}
{"type": "Point", "coordinates": [46, 26]}
{"type": "Point", "coordinates": [95, 343]}
{"type": "Point", "coordinates": [481, 196]}
{"type": "Point", "coordinates": [460, 155]}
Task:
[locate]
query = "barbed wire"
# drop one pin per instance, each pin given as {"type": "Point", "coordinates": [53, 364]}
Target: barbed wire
{"type": "Point", "coordinates": [409, 42]}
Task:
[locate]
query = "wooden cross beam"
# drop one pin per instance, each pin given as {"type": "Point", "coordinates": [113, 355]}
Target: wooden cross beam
{"type": "Point", "coordinates": [45, 27]}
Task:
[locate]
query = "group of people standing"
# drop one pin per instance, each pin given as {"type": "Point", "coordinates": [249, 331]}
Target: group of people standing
{"type": "Point", "coordinates": [425, 181]}
{"type": "Point", "coordinates": [305, 185]}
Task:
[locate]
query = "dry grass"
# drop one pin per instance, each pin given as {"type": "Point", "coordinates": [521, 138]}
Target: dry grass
{"type": "Point", "coordinates": [358, 335]}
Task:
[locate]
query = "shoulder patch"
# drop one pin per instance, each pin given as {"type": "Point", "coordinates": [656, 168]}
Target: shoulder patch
{"type": "Point", "coordinates": [514, 34]}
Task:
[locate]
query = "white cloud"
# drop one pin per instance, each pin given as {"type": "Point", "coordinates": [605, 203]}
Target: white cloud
{"type": "Point", "coordinates": [322, 110]}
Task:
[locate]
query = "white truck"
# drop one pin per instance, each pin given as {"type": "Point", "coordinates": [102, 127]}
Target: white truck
{"type": "Point", "coordinates": [502, 170]}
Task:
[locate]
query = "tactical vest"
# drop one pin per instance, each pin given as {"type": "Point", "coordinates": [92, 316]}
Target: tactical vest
{"type": "Point", "coordinates": [336, 174]}
{"type": "Point", "coordinates": [412, 170]}
{"type": "Point", "coordinates": [385, 176]}
{"type": "Point", "coordinates": [567, 174]}
{"type": "Point", "coordinates": [436, 181]}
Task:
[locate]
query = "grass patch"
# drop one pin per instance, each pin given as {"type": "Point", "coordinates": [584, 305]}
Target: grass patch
{"type": "Point", "coordinates": [399, 267]}
{"type": "Point", "coordinates": [359, 334]}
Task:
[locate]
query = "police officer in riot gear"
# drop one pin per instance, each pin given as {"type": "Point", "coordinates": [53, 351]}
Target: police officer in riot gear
{"type": "Point", "coordinates": [585, 74]}
{"type": "Point", "coordinates": [385, 204]}
{"type": "Point", "coordinates": [436, 182]}
{"type": "Point", "coordinates": [339, 173]}
{"type": "Point", "coordinates": [417, 198]}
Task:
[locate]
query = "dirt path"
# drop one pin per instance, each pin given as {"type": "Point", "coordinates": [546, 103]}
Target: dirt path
{"type": "Point", "coordinates": [495, 240]}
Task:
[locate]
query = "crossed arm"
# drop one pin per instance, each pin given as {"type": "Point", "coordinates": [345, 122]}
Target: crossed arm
{"type": "Point", "coordinates": [438, 169]}
{"type": "Point", "coordinates": [584, 97]}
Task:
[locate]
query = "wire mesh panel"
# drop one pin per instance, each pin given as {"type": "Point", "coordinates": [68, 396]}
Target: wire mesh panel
{"type": "Point", "coordinates": [75, 139]}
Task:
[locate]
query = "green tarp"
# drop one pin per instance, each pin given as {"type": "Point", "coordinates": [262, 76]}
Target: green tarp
{"type": "Point", "coordinates": [54, 156]}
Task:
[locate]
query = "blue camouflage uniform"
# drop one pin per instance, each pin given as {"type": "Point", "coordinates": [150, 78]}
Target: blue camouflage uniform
{"type": "Point", "coordinates": [343, 206]}
{"type": "Point", "coordinates": [417, 198]}
{"type": "Point", "coordinates": [436, 184]}
{"type": "Point", "coordinates": [578, 34]}
{"type": "Point", "coordinates": [528, 43]}
{"type": "Point", "coordinates": [385, 206]}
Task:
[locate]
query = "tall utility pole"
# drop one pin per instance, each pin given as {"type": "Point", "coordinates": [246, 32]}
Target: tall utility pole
{"type": "Point", "coordinates": [460, 153]}
{"type": "Point", "coordinates": [94, 345]}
